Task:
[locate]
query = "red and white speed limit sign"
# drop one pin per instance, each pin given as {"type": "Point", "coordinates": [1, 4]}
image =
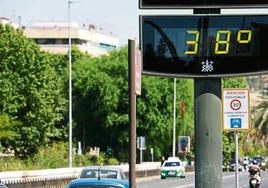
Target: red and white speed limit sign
{"type": "Point", "coordinates": [235, 104]}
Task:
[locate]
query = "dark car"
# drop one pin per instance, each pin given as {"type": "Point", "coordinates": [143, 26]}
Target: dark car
{"type": "Point", "coordinates": [98, 183]}
{"type": "Point", "coordinates": [261, 162]}
{"type": "Point", "coordinates": [232, 165]}
{"type": "Point", "coordinates": [102, 172]}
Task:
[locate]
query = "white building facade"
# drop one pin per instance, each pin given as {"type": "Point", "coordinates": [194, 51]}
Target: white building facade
{"type": "Point", "coordinates": [54, 37]}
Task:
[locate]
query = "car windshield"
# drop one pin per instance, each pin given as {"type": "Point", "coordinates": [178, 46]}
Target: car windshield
{"type": "Point", "coordinates": [172, 164]}
{"type": "Point", "coordinates": [258, 159]}
{"type": "Point", "coordinates": [94, 173]}
{"type": "Point", "coordinates": [233, 161]}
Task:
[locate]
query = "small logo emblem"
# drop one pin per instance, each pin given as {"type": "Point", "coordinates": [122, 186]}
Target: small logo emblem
{"type": "Point", "coordinates": [207, 66]}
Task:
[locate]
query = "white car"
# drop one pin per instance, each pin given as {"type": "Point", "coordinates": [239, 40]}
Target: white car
{"type": "Point", "coordinates": [173, 167]}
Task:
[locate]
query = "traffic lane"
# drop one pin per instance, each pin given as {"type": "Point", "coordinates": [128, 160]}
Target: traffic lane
{"type": "Point", "coordinates": [229, 180]}
{"type": "Point", "coordinates": [174, 182]}
{"type": "Point", "coordinates": [188, 182]}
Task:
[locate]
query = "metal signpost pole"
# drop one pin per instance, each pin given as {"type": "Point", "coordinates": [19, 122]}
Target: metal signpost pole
{"type": "Point", "coordinates": [236, 117]}
{"type": "Point", "coordinates": [208, 157]}
{"type": "Point", "coordinates": [132, 113]}
{"type": "Point", "coordinates": [236, 161]}
{"type": "Point", "coordinates": [140, 155]}
{"type": "Point", "coordinates": [152, 154]}
{"type": "Point", "coordinates": [174, 120]}
{"type": "Point", "coordinates": [70, 85]}
{"type": "Point", "coordinates": [141, 150]}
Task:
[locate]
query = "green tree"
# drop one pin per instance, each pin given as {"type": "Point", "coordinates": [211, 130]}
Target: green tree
{"type": "Point", "coordinates": [101, 105]}
{"type": "Point", "coordinates": [32, 90]}
{"type": "Point", "coordinates": [259, 133]}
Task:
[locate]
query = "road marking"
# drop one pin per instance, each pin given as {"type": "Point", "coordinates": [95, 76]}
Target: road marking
{"type": "Point", "coordinates": [192, 184]}
{"type": "Point", "coordinates": [188, 185]}
{"type": "Point", "coordinates": [226, 177]}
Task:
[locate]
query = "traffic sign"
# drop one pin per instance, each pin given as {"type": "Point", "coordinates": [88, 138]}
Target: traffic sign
{"type": "Point", "coordinates": [236, 109]}
{"type": "Point", "coordinates": [184, 144]}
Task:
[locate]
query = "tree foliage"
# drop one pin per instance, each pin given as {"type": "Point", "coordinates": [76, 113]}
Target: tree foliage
{"type": "Point", "coordinates": [102, 105]}
{"type": "Point", "coordinates": [31, 92]}
{"type": "Point", "coordinates": [33, 109]}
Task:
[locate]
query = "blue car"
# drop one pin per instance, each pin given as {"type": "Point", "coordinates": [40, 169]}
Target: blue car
{"type": "Point", "coordinates": [98, 183]}
{"type": "Point", "coordinates": [2, 185]}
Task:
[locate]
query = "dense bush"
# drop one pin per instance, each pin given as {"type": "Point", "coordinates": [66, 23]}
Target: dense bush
{"type": "Point", "coordinates": [54, 156]}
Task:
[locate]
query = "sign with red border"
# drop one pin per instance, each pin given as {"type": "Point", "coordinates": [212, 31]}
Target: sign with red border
{"type": "Point", "coordinates": [235, 109]}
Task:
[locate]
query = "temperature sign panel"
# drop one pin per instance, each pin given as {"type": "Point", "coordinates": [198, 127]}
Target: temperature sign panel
{"type": "Point", "coordinates": [201, 3]}
{"type": "Point", "coordinates": [204, 46]}
{"type": "Point", "coordinates": [236, 109]}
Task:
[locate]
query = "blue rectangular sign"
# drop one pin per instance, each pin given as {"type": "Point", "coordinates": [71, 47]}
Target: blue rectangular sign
{"type": "Point", "coordinates": [236, 123]}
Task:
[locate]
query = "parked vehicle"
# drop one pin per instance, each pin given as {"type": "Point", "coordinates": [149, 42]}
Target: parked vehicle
{"type": "Point", "coordinates": [98, 183]}
{"type": "Point", "coordinates": [101, 172]}
{"type": "Point", "coordinates": [173, 167]}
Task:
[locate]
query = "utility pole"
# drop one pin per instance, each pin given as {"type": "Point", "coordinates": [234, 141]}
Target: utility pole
{"type": "Point", "coordinates": [174, 119]}
{"type": "Point", "coordinates": [132, 113]}
{"type": "Point", "coordinates": [70, 86]}
{"type": "Point", "coordinates": [207, 110]}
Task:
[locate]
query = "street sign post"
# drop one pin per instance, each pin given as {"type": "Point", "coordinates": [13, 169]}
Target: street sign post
{"type": "Point", "coordinates": [184, 144]}
{"type": "Point", "coordinates": [236, 109]}
{"type": "Point", "coordinates": [141, 146]}
{"type": "Point", "coordinates": [236, 116]}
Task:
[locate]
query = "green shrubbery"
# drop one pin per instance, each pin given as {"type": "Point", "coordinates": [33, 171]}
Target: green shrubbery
{"type": "Point", "coordinates": [55, 156]}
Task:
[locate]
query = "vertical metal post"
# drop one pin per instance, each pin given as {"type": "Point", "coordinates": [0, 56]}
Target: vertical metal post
{"type": "Point", "coordinates": [208, 135]}
{"type": "Point", "coordinates": [132, 113]}
{"type": "Point", "coordinates": [141, 156]}
{"type": "Point", "coordinates": [152, 154]}
{"type": "Point", "coordinates": [141, 148]}
{"type": "Point", "coordinates": [236, 161]}
{"type": "Point", "coordinates": [70, 85]}
{"type": "Point", "coordinates": [174, 120]}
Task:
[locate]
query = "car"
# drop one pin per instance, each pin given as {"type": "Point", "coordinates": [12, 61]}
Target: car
{"type": "Point", "coordinates": [260, 161]}
{"type": "Point", "coordinates": [232, 165]}
{"type": "Point", "coordinates": [2, 185]}
{"type": "Point", "coordinates": [98, 183]}
{"type": "Point", "coordinates": [173, 167]}
{"type": "Point", "coordinates": [102, 172]}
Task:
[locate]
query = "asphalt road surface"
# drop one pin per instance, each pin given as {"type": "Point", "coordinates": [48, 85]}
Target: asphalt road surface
{"type": "Point", "coordinates": [228, 181]}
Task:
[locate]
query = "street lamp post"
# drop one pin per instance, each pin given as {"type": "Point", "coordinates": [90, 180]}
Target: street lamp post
{"type": "Point", "coordinates": [70, 85]}
{"type": "Point", "coordinates": [174, 120]}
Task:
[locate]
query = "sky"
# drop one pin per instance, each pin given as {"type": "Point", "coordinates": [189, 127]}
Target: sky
{"type": "Point", "coordinates": [120, 17]}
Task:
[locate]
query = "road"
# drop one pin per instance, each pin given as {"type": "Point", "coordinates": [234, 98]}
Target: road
{"type": "Point", "coordinates": [188, 182]}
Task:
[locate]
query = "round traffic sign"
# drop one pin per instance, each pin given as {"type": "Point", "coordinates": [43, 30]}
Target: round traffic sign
{"type": "Point", "coordinates": [235, 104]}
